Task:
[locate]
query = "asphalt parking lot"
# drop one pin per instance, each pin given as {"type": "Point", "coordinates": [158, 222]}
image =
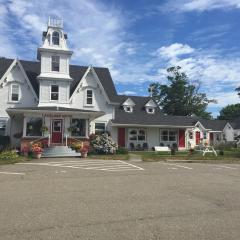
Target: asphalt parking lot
{"type": "Point", "coordinates": [79, 199]}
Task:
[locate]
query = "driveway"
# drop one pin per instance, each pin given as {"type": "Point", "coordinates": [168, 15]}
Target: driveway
{"type": "Point", "coordinates": [48, 199]}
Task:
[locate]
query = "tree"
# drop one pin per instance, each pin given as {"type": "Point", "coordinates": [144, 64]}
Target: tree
{"type": "Point", "coordinates": [238, 90]}
{"type": "Point", "coordinates": [179, 97]}
{"type": "Point", "coordinates": [230, 112]}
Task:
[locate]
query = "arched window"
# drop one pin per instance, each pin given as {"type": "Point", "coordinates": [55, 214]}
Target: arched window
{"type": "Point", "coordinates": [55, 38]}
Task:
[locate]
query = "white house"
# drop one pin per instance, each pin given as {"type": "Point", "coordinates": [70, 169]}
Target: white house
{"type": "Point", "coordinates": [52, 93]}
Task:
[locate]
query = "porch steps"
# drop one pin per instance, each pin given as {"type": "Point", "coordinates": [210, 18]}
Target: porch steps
{"type": "Point", "coordinates": [59, 151]}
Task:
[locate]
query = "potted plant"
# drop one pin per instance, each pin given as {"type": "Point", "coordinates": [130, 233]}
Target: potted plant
{"type": "Point", "coordinates": [25, 151]}
{"type": "Point", "coordinates": [44, 129]}
{"type": "Point", "coordinates": [84, 151]}
{"type": "Point", "coordinates": [37, 150]}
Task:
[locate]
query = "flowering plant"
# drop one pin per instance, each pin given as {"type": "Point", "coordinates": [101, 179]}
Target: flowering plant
{"type": "Point", "coordinates": [37, 149]}
{"type": "Point", "coordinates": [103, 143]}
{"type": "Point", "coordinates": [85, 149]}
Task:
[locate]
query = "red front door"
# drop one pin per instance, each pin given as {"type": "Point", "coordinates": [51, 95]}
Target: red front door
{"type": "Point", "coordinates": [121, 137]}
{"type": "Point", "coordinates": [181, 138]}
{"type": "Point", "coordinates": [57, 131]}
{"type": "Point", "coordinates": [197, 138]}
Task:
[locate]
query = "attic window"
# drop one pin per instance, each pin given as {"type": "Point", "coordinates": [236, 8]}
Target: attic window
{"type": "Point", "coordinates": [128, 109]}
{"type": "Point", "coordinates": [150, 110]}
{"type": "Point", "coordinates": [15, 92]}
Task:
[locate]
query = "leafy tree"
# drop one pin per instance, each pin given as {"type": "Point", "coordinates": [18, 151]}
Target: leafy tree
{"type": "Point", "coordinates": [230, 112]}
{"type": "Point", "coordinates": [179, 97]}
{"type": "Point", "coordinates": [238, 90]}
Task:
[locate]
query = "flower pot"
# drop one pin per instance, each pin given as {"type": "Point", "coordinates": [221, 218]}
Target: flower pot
{"type": "Point", "coordinates": [84, 155]}
{"type": "Point", "coordinates": [38, 155]}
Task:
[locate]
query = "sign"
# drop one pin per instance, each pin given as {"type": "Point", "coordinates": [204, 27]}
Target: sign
{"type": "Point", "coordinates": [56, 115]}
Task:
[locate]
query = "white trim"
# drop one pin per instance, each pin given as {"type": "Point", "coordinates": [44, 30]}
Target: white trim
{"type": "Point", "coordinates": [85, 97]}
{"type": "Point", "coordinates": [11, 92]}
{"type": "Point", "coordinates": [149, 126]}
{"type": "Point", "coordinates": [27, 79]}
{"type": "Point", "coordinates": [98, 81]}
{"type": "Point", "coordinates": [8, 70]}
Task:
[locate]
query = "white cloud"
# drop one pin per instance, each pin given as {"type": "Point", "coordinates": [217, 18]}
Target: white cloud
{"type": "Point", "coordinates": [200, 5]}
{"type": "Point", "coordinates": [174, 50]}
{"type": "Point", "coordinates": [128, 93]}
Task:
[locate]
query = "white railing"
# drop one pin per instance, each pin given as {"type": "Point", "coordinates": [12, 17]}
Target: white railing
{"type": "Point", "coordinates": [55, 22]}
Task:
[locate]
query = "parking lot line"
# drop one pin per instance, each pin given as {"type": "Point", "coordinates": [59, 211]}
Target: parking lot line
{"type": "Point", "coordinates": [12, 173]}
{"type": "Point", "coordinates": [223, 166]}
{"type": "Point", "coordinates": [177, 165]}
{"type": "Point", "coordinates": [106, 165]}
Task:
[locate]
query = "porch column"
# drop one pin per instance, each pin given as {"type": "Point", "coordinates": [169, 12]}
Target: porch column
{"type": "Point", "coordinates": [24, 126]}
{"type": "Point", "coordinates": [87, 128]}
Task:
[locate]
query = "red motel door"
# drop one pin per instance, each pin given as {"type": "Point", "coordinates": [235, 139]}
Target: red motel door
{"type": "Point", "coordinates": [181, 138]}
{"type": "Point", "coordinates": [121, 137]}
{"type": "Point", "coordinates": [57, 131]}
{"type": "Point", "coordinates": [197, 138]}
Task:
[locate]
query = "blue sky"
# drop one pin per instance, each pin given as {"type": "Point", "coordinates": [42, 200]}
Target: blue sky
{"type": "Point", "coordinates": [137, 39]}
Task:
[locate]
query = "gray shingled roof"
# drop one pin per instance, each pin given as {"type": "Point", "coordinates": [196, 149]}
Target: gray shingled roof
{"type": "Point", "coordinates": [235, 123]}
{"type": "Point", "coordinates": [215, 125]}
{"type": "Point", "coordinates": [32, 70]}
{"type": "Point", "coordinates": [139, 116]}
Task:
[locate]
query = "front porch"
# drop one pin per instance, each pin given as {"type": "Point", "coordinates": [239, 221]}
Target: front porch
{"type": "Point", "coordinates": [52, 126]}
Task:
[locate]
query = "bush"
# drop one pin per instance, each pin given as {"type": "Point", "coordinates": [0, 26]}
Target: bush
{"type": "Point", "coordinates": [9, 155]}
{"type": "Point", "coordinates": [4, 142]}
{"type": "Point", "coordinates": [122, 150]}
{"type": "Point", "coordinates": [103, 143]}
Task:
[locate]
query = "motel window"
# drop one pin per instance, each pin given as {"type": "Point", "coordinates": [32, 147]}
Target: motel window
{"type": "Point", "coordinates": [89, 97]}
{"type": "Point", "coordinates": [190, 135]}
{"type": "Point", "coordinates": [168, 136]}
{"type": "Point", "coordinates": [137, 135]}
{"type": "Point", "coordinates": [55, 38]}
{"type": "Point", "coordinates": [204, 135]}
{"type": "Point", "coordinates": [100, 128]}
{"type": "Point", "coordinates": [34, 127]}
{"type": "Point", "coordinates": [54, 92]}
{"type": "Point", "coordinates": [3, 124]}
{"type": "Point", "coordinates": [55, 63]}
{"type": "Point", "coordinates": [15, 92]}
{"type": "Point", "coordinates": [79, 127]}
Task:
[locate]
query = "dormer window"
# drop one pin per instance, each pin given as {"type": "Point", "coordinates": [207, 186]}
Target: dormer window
{"type": "Point", "coordinates": [15, 92]}
{"type": "Point", "coordinates": [128, 109]}
{"type": "Point", "coordinates": [55, 38]}
{"type": "Point", "coordinates": [150, 110]}
{"type": "Point", "coordinates": [55, 63]}
{"type": "Point", "coordinates": [89, 97]}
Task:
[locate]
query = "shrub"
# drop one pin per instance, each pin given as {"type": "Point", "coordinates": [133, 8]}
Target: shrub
{"type": "Point", "coordinates": [9, 155]}
{"type": "Point", "coordinates": [4, 142]}
{"type": "Point", "coordinates": [122, 150]}
{"type": "Point", "coordinates": [103, 143]}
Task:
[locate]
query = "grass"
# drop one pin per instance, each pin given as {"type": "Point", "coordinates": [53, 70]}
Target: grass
{"type": "Point", "coordinates": [229, 155]}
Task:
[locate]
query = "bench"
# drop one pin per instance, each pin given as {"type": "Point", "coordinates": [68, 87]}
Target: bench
{"type": "Point", "coordinates": [162, 149]}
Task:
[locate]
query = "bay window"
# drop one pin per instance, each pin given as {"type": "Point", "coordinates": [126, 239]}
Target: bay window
{"type": "Point", "coordinates": [34, 125]}
{"type": "Point", "coordinates": [78, 127]}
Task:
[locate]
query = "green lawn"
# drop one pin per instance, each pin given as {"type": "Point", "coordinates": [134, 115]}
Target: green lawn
{"type": "Point", "coordinates": [231, 155]}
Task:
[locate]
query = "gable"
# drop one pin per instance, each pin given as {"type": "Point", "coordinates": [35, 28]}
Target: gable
{"type": "Point", "coordinates": [150, 103]}
{"type": "Point", "coordinates": [129, 102]}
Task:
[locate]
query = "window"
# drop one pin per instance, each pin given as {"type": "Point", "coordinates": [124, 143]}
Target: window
{"type": "Point", "coordinates": [137, 135]}
{"type": "Point", "coordinates": [54, 92]}
{"type": "Point", "coordinates": [55, 63]}
{"type": "Point", "coordinates": [128, 109]}
{"type": "Point", "coordinates": [34, 127]}
{"type": "Point", "coordinates": [3, 124]}
{"type": "Point", "coordinates": [150, 110]}
{"type": "Point", "coordinates": [190, 135]}
{"type": "Point", "coordinates": [100, 128]}
{"type": "Point", "coordinates": [15, 92]}
{"type": "Point", "coordinates": [55, 38]}
{"type": "Point", "coordinates": [204, 135]}
{"type": "Point", "coordinates": [89, 97]}
{"type": "Point", "coordinates": [78, 127]}
{"type": "Point", "coordinates": [168, 135]}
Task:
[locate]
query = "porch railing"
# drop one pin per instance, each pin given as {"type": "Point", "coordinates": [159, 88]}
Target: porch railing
{"type": "Point", "coordinates": [40, 139]}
